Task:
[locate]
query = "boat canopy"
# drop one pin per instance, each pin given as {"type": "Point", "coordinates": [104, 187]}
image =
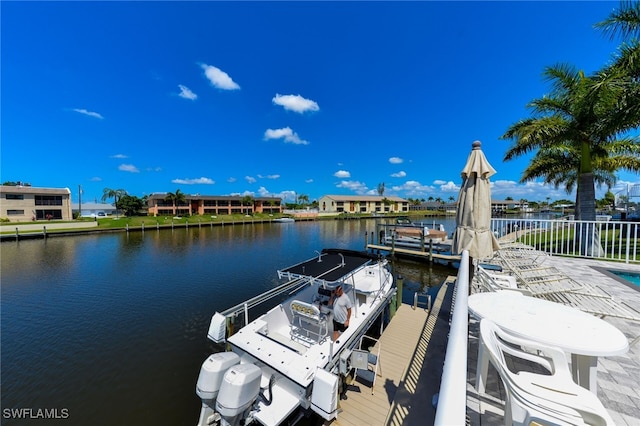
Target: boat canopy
{"type": "Point", "coordinates": [332, 265]}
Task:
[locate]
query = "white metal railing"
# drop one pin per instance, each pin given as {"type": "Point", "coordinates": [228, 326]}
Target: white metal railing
{"type": "Point", "coordinates": [452, 400]}
{"type": "Point", "coordinates": [607, 240]}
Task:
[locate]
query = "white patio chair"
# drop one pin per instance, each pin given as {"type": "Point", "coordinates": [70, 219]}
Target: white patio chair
{"type": "Point", "coordinates": [554, 395]}
{"type": "Point", "coordinates": [489, 281]}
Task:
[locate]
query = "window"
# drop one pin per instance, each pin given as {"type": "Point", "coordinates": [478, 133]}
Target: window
{"type": "Point", "coordinates": [14, 196]}
{"type": "Point", "coordinates": [48, 214]}
{"type": "Point", "coordinates": [48, 200]}
{"type": "Point", "coordinates": [14, 212]}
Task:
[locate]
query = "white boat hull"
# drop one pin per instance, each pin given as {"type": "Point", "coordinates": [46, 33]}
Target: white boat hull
{"type": "Point", "coordinates": [292, 343]}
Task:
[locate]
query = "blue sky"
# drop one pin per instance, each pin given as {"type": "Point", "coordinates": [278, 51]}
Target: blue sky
{"type": "Point", "coordinates": [279, 98]}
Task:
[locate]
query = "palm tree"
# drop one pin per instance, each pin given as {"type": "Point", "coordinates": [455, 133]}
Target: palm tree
{"type": "Point", "coordinates": [176, 198]}
{"type": "Point", "coordinates": [116, 194]}
{"type": "Point", "coordinates": [577, 131]}
{"type": "Point", "coordinates": [247, 200]}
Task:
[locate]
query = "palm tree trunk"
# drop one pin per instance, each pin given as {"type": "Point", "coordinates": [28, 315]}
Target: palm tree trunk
{"type": "Point", "coordinates": [586, 211]}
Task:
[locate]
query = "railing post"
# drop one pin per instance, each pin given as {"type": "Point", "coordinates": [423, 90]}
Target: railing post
{"type": "Point", "coordinates": [629, 224]}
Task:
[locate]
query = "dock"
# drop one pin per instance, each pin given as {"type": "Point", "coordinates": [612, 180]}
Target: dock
{"type": "Point", "coordinates": [412, 350]}
{"type": "Point", "coordinates": [431, 256]}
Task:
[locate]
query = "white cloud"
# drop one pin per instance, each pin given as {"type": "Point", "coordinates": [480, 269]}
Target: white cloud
{"type": "Point", "coordinates": [196, 181]}
{"type": "Point", "coordinates": [439, 182]}
{"type": "Point", "coordinates": [219, 78]}
{"type": "Point", "coordinates": [532, 191]}
{"type": "Point", "coordinates": [250, 179]}
{"type": "Point", "coordinates": [286, 133]}
{"type": "Point", "coordinates": [231, 180]}
{"type": "Point", "coordinates": [119, 156]}
{"type": "Point", "coordinates": [263, 192]}
{"type": "Point", "coordinates": [186, 93]}
{"type": "Point", "coordinates": [128, 168]}
{"type": "Point", "coordinates": [308, 181]}
{"type": "Point", "coordinates": [449, 187]}
{"type": "Point", "coordinates": [89, 113]}
{"type": "Point", "coordinates": [96, 179]}
{"type": "Point", "coordinates": [355, 186]}
{"type": "Point", "coordinates": [273, 176]}
{"type": "Point", "coordinates": [342, 174]}
{"type": "Point", "coordinates": [396, 160]}
{"type": "Point", "coordinates": [295, 103]}
{"type": "Point", "coordinates": [287, 195]}
{"type": "Point", "coordinates": [400, 174]}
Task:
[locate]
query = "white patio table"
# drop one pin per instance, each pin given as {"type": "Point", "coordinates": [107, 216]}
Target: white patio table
{"type": "Point", "coordinates": [584, 336]}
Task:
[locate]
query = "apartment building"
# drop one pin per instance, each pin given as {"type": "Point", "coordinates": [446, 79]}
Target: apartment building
{"type": "Point", "coordinates": [211, 205]}
{"type": "Point", "coordinates": [28, 203]}
{"type": "Point", "coordinates": [362, 204]}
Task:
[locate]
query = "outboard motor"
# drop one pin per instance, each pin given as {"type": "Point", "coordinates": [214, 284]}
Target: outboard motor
{"type": "Point", "coordinates": [209, 382]}
{"type": "Point", "coordinates": [238, 391]}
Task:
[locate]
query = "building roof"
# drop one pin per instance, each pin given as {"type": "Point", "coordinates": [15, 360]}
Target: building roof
{"type": "Point", "coordinates": [365, 198]}
{"type": "Point", "coordinates": [163, 195]}
{"type": "Point", "coordinates": [94, 206]}
{"type": "Point", "coordinates": [33, 190]}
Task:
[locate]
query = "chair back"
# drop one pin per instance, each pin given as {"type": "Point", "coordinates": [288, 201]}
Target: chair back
{"type": "Point", "coordinates": [550, 394]}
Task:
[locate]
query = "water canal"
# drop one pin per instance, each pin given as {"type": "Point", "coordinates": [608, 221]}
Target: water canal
{"type": "Point", "coordinates": [111, 329]}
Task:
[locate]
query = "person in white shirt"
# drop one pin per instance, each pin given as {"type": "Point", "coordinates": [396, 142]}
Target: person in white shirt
{"type": "Point", "coordinates": [341, 311]}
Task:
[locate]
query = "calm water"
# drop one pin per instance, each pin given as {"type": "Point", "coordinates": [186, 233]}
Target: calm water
{"type": "Point", "coordinates": [112, 328]}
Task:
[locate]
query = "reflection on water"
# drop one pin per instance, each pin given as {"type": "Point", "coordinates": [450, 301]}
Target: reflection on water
{"type": "Point", "coordinates": [113, 327]}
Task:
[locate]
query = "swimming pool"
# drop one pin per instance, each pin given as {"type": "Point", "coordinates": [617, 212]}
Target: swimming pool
{"type": "Point", "coordinates": [631, 277]}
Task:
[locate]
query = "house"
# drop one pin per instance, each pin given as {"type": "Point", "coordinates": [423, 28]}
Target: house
{"type": "Point", "coordinates": [211, 205]}
{"type": "Point", "coordinates": [27, 203]}
{"type": "Point", "coordinates": [93, 209]}
{"type": "Point", "coordinates": [335, 204]}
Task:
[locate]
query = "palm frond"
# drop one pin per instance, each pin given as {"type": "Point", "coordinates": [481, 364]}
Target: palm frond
{"type": "Point", "coordinates": [624, 21]}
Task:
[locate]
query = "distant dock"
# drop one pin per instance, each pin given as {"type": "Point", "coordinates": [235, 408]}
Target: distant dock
{"type": "Point", "coordinates": [431, 254]}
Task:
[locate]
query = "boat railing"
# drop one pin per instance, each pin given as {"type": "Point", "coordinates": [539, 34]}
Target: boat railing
{"type": "Point", "coordinates": [382, 283]}
{"type": "Point", "coordinates": [289, 287]}
{"type": "Point", "coordinates": [452, 399]}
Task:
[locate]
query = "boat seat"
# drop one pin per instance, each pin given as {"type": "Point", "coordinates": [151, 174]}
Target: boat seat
{"type": "Point", "coordinates": [366, 361]}
{"type": "Point", "coordinates": [308, 321]}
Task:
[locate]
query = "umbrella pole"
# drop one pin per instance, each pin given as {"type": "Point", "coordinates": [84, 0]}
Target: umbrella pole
{"type": "Point", "coordinates": [471, 272]}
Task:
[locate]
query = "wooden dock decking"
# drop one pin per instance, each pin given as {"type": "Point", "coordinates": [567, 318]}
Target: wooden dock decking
{"type": "Point", "coordinates": [399, 396]}
{"type": "Point", "coordinates": [444, 258]}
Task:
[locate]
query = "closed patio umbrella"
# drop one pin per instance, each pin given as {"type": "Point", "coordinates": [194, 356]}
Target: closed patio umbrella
{"type": "Point", "coordinates": [473, 215]}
